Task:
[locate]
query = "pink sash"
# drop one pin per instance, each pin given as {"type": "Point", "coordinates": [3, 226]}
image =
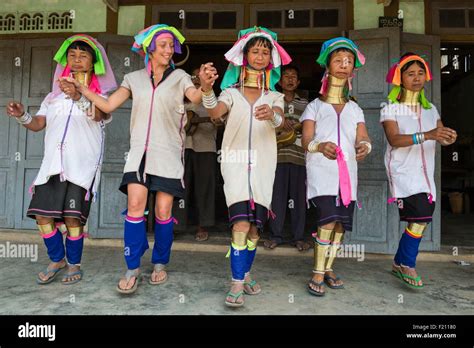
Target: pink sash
{"type": "Point", "coordinates": [344, 178]}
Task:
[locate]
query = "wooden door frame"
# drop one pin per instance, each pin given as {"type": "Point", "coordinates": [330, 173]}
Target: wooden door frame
{"type": "Point", "coordinates": [9, 163]}
{"type": "Point", "coordinates": [22, 185]}
{"type": "Point", "coordinates": [432, 235]}
{"type": "Point", "coordinates": [396, 41]}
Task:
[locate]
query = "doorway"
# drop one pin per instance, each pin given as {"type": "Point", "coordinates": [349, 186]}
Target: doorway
{"type": "Point", "coordinates": [304, 57]}
{"type": "Point", "coordinates": [457, 166]}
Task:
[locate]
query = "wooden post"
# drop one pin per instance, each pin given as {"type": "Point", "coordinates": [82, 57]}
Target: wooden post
{"type": "Point", "coordinates": [392, 9]}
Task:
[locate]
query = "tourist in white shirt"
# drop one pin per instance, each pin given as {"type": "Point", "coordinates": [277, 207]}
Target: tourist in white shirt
{"type": "Point", "coordinates": [157, 139]}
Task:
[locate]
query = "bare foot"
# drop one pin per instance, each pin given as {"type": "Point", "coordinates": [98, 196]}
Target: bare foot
{"type": "Point", "coordinates": [201, 234]}
{"type": "Point", "coordinates": [53, 266]}
{"type": "Point", "coordinates": [301, 245]}
{"type": "Point", "coordinates": [270, 244]}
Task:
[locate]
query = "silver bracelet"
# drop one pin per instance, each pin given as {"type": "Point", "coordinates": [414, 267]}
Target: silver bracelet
{"type": "Point", "coordinates": [83, 103]}
{"type": "Point", "coordinates": [369, 145]}
{"type": "Point", "coordinates": [420, 138]}
{"type": "Point", "coordinates": [313, 146]}
{"type": "Point", "coordinates": [26, 118]}
{"type": "Point", "coordinates": [209, 100]}
{"type": "Point", "coordinates": [277, 120]}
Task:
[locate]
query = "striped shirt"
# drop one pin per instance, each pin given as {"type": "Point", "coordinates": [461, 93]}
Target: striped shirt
{"type": "Point", "coordinates": [293, 153]}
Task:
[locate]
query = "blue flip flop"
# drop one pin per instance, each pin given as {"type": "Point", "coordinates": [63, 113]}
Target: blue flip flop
{"type": "Point", "coordinates": [50, 279]}
{"type": "Point", "coordinates": [67, 275]}
{"type": "Point", "coordinates": [327, 278]}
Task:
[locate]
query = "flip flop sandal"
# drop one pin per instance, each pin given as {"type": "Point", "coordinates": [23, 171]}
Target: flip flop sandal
{"type": "Point", "coordinates": [402, 277]}
{"type": "Point", "coordinates": [395, 273]}
{"type": "Point", "coordinates": [314, 292]}
{"type": "Point", "coordinates": [251, 284]}
{"type": "Point", "coordinates": [50, 279]}
{"type": "Point", "coordinates": [74, 281]}
{"type": "Point", "coordinates": [235, 296]}
{"type": "Point", "coordinates": [328, 278]}
{"type": "Point", "coordinates": [135, 285]}
{"type": "Point", "coordinates": [152, 282]}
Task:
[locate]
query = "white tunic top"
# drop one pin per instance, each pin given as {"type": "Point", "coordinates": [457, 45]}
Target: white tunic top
{"type": "Point", "coordinates": [410, 169]}
{"type": "Point", "coordinates": [323, 173]}
{"type": "Point", "coordinates": [83, 144]}
{"type": "Point", "coordinates": [157, 123]}
{"type": "Point", "coordinates": [246, 137]}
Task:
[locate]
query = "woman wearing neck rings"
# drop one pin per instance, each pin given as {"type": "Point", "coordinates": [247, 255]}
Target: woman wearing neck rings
{"type": "Point", "coordinates": [253, 110]}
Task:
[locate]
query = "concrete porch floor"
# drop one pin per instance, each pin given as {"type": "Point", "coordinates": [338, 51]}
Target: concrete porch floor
{"type": "Point", "coordinates": [199, 277]}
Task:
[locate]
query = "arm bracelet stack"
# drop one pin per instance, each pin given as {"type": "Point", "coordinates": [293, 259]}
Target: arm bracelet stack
{"type": "Point", "coordinates": [209, 100]}
{"type": "Point", "coordinates": [418, 138]}
{"type": "Point", "coordinates": [277, 120]}
{"type": "Point", "coordinates": [83, 103]}
{"type": "Point", "coordinates": [24, 119]}
{"type": "Point", "coordinates": [366, 143]}
{"type": "Point", "coordinates": [313, 146]}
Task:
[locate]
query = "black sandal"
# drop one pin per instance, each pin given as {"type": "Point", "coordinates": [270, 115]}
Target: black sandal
{"type": "Point", "coordinates": [314, 292]}
{"type": "Point", "coordinates": [328, 280]}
